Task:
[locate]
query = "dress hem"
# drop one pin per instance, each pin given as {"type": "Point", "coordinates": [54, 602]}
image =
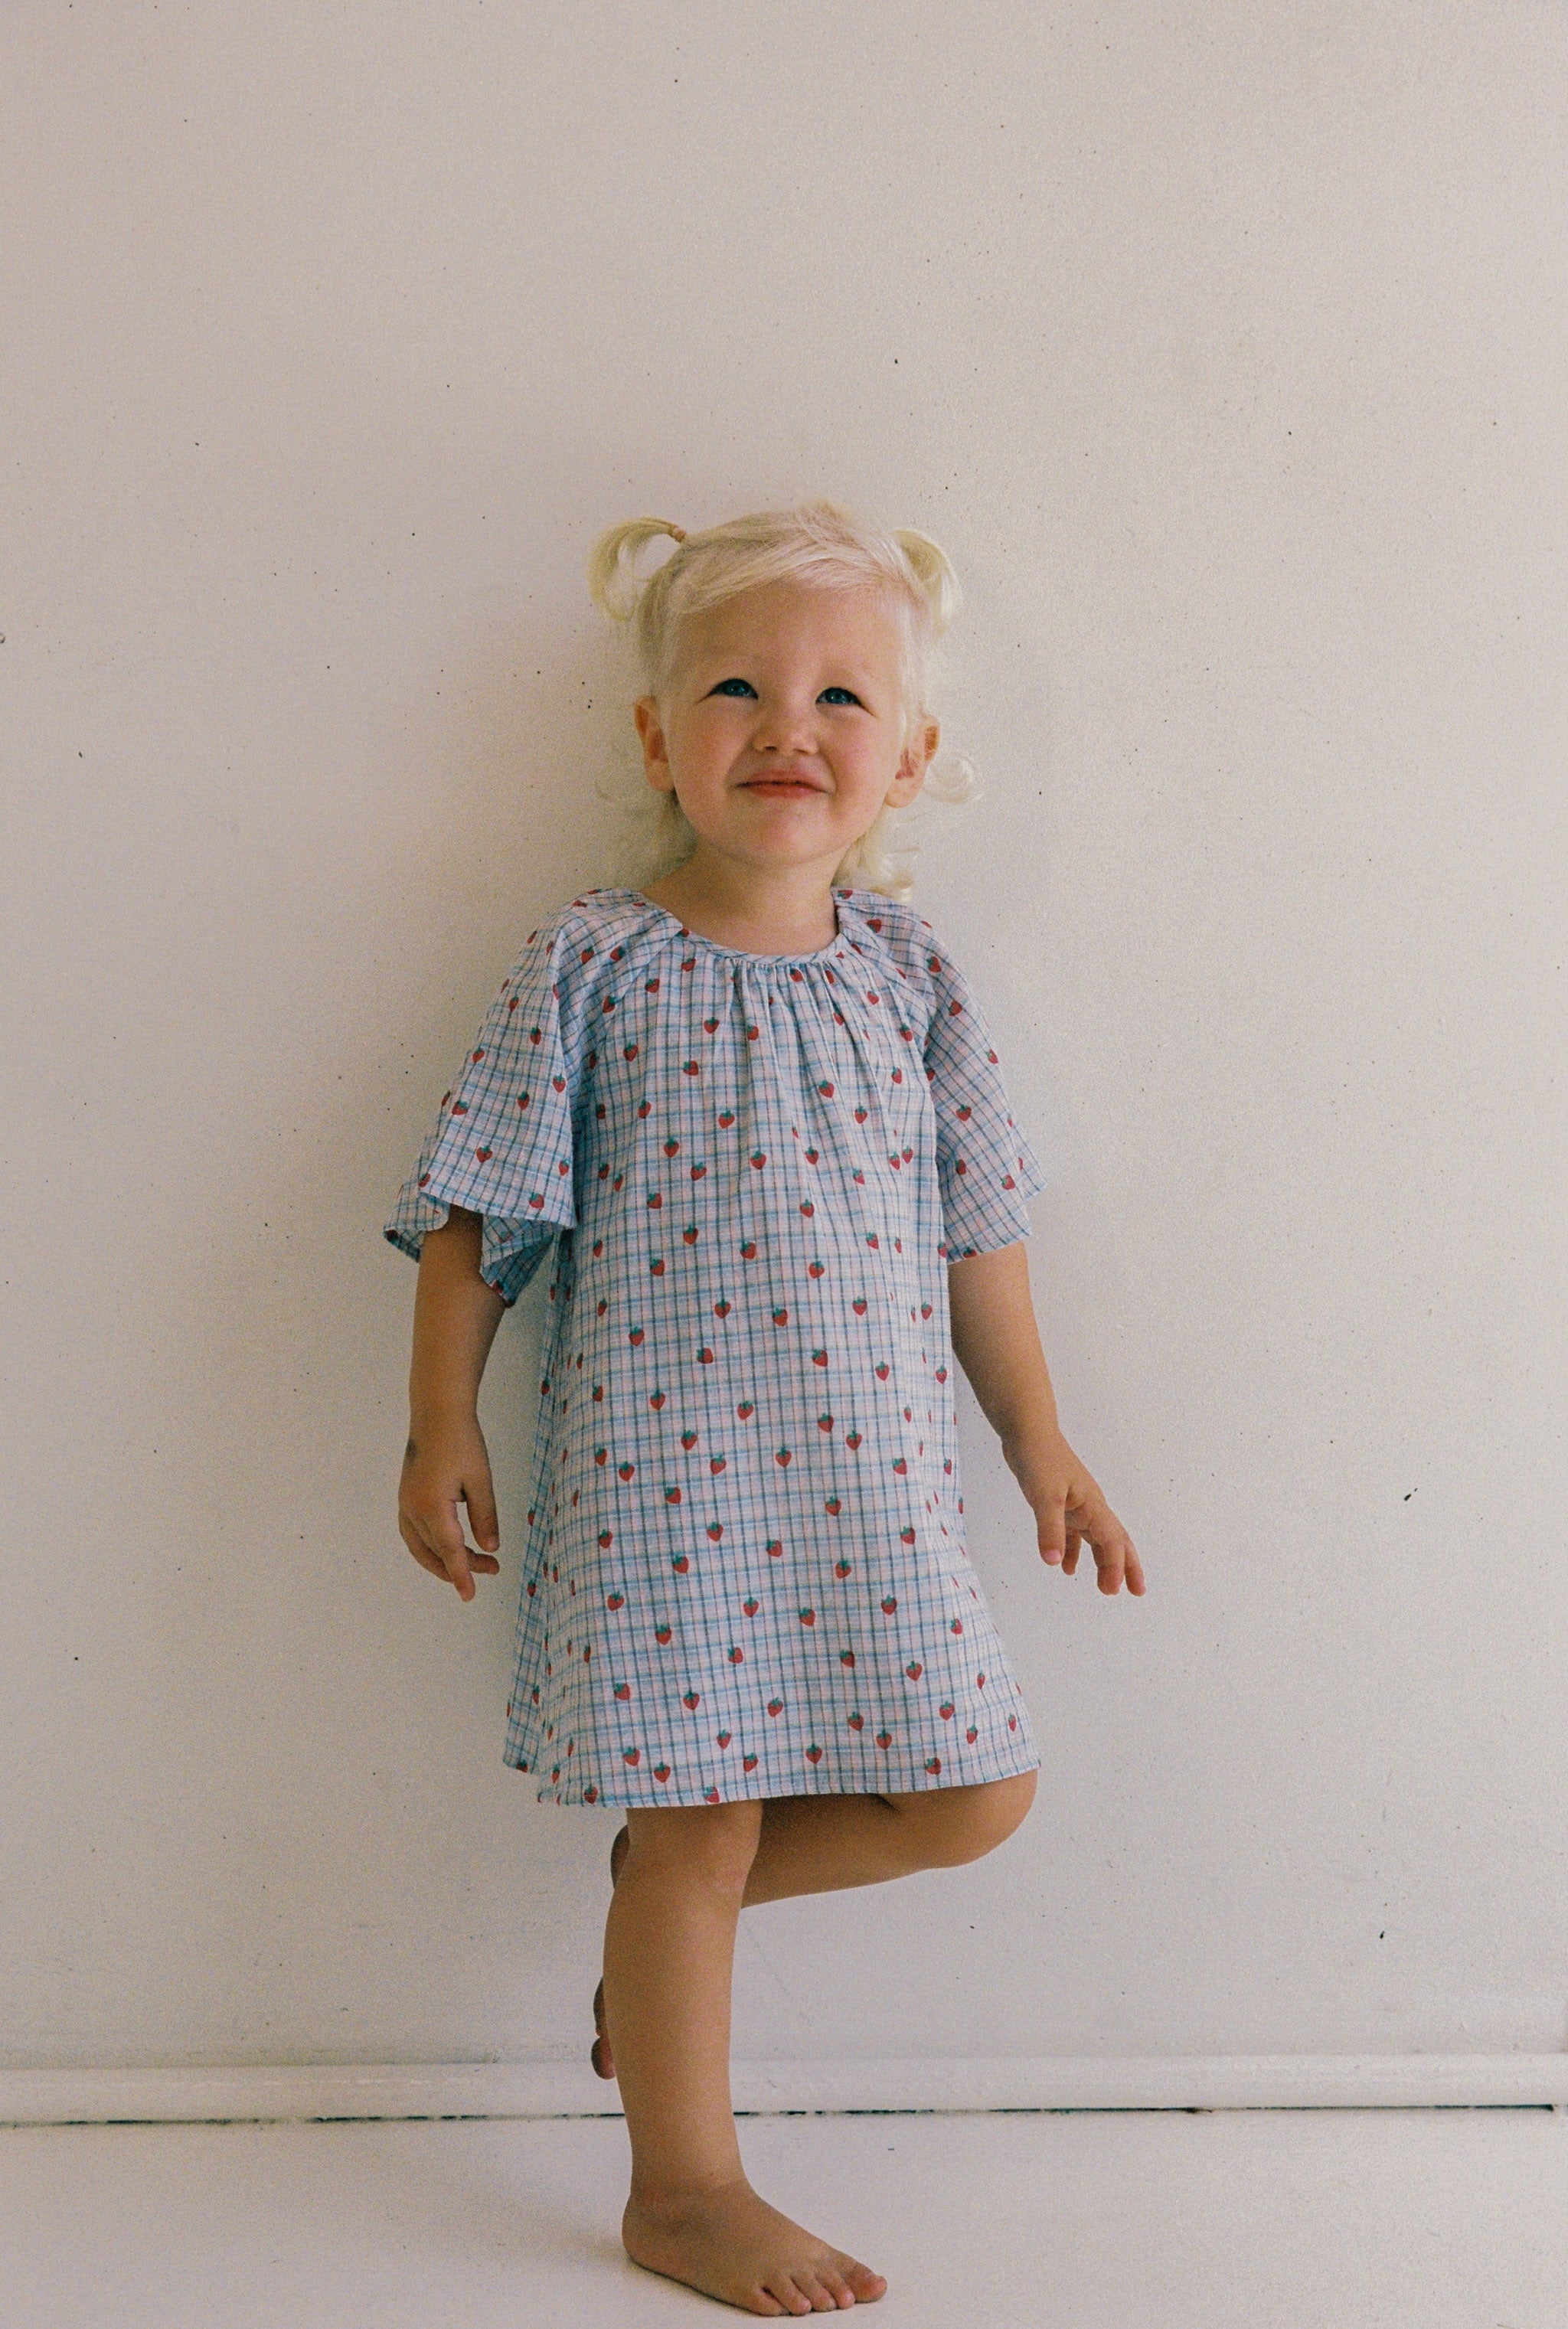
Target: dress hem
{"type": "Point", "coordinates": [899, 1781]}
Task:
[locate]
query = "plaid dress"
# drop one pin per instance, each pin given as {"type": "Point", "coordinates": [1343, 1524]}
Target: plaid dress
{"type": "Point", "coordinates": [745, 1572]}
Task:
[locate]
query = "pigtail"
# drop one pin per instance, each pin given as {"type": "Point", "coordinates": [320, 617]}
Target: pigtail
{"type": "Point", "coordinates": [934, 571]}
{"type": "Point", "coordinates": [613, 584]}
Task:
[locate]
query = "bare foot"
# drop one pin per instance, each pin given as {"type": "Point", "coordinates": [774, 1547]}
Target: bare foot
{"type": "Point", "coordinates": [730, 2244]}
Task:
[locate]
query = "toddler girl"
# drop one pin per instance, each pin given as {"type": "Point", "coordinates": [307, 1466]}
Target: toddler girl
{"type": "Point", "coordinates": [754, 1111]}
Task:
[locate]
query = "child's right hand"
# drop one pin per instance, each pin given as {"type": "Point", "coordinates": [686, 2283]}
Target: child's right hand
{"type": "Point", "coordinates": [444, 1464]}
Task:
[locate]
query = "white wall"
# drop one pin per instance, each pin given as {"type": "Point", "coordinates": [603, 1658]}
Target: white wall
{"type": "Point", "coordinates": [1224, 348]}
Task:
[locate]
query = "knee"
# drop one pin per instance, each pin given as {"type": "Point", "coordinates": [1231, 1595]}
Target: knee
{"type": "Point", "coordinates": [710, 1845]}
{"type": "Point", "coordinates": [958, 1825]}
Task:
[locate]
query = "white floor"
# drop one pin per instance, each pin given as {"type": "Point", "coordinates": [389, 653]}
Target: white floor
{"type": "Point", "coordinates": [1113, 2220]}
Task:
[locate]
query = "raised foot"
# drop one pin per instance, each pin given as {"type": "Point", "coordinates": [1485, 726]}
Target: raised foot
{"type": "Point", "coordinates": [730, 2244]}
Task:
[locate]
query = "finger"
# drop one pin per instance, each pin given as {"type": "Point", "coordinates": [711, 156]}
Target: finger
{"type": "Point", "coordinates": [1135, 1578]}
{"type": "Point", "coordinates": [1053, 1531]}
{"type": "Point", "coordinates": [479, 1496]}
{"type": "Point", "coordinates": [1112, 1552]}
{"type": "Point", "coordinates": [419, 1547]}
{"type": "Point", "coordinates": [444, 1536]}
{"type": "Point", "coordinates": [1070, 1558]}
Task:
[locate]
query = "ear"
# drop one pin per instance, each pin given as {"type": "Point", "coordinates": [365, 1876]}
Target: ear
{"type": "Point", "coordinates": [918, 754]}
{"type": "Point", "coordinates": [655, 752]}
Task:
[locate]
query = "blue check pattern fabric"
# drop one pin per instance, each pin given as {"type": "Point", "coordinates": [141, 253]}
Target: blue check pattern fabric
{"type": "Point", "coordinates": [745, 1572]}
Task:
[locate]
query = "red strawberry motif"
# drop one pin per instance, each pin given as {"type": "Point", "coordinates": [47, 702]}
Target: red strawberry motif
{"type": "Point", "coordinates": [705, 1356]}
{"type": "Point", "coordinates": [808, 1617]}
{"type": "Point", "coordinates": [601, 1454]}
{"type": "Point", "coordinates": [980, 1681]}
{"type": "Point", "coordinates": [672, 1495]}
{"type": "Point", "coordinates": [915, 1671]}
{"type": "Point", "coordinates": [671, 1147]}
{"type": "Point", "coordinates": [623, 1689]}
{"type": "Point", "coordinates": [483, 1155]}
{"type": "Point", "coordinates": [946, 1711]}
{"type": "Point", "coordinates": [746, 1411]}
{"type": "Point", "coordinates": [691, 1698]}
{"type": "Point", "coordinates": [727, 1118]}
{"type": "Point", "coordinates": [715, 1531]}
{"type": "Point", "coordinates": [815, 1268]}
{"type": "Point", "coordinates": [775, 1706]}
{"type": "Point", "coordinates": [737, 1657]}
{"type": "Point", "coordinates": [749, 1762]}
{"type": "Point", "coordinates": [724, 1738]}
{"type": "Point", "coordinates": [721, 1309]}
{"type": "Point", "coordinates": [632, 1754]}
{"type": "Point", "coordinates": [605, 1536]}
{"type": "Point", "coordinates": [780, 1317]}
{"type": "Point", "coordinates": [636, 1335]}
{"type": "Point", "coordinates": [680, 1562]}
{"type": "Point", "coordinates": [1012, 1722]}
{"type": "Point", "coordinates": [824, 1423]}
{"type": "Point", "coordinates": [591, 1795]}
{"type": "Point", "coordinates": [901, 1465]}
{"type": "Point", "coordinates": [759, 1158]}
{"type": "Point", "coordinates": [655, 1398]}
{"type": "Point", "coordinates": [712, 1796]}
{"type": "Point", "coordinates": [615, 1600]}
{"type": "Point", "coordinates": [906, 1536]}
{"type": "Point", "coordinates": [857, 1723]}
{"type": "Point", "coordinates": [858, 1306]}
{"type": "Point", "coordinates": [889, 1606]}
{"type": "Point", "coordinates": [971, 1735]}
{"type": "Point", "coordinates": [881, 1371]}
{"type": "Point", "coordinates": [819, 1358]}
{"type": "Point", "coordinates": [884, 1739]}
{"type": "Point", "coordinates": [775, 1548]}
{"type": "Point", "coordinates": [661, 1635]}
{"type": "Point", "coordinates": [717, 1463]}
{"type": "Point", "coordinates": [626, 1470]}
{"type": "Point", "coordinates": [834, 1504]}
{"type": "Point", "coordinates": [814, 1754]}
{"type": "Point", "coordinates": [957, 1626]}
{"type": "Point", "coordinates": [846, 1657]}
{"type": "Point", "coordinates": [782, 1454]}
{"type": "Point", "coordinates": [688, 1439]}
{"type": "Point", "coordinates": [841, 1568]}
{"type": "Point", "coordinates": [662, 1772]}
{"type": "Point", "coordinates": [751, 1606]}
{"type": "Point", "coordinates": [748, 1250]}
{"type": "Point", "coordinates": [933, 1764]}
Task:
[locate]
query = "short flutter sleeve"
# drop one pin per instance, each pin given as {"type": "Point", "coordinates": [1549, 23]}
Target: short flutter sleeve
{"type": "Point", "coordinates": [502, 1142]}
{"type": "Point", "coordinates": [985, 1168]}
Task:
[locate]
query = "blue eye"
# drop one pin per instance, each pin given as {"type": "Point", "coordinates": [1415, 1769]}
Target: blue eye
{"type": "Point", "coordinates": [847, 694]}
{"type": "Point", "coordinates": [728, 686]}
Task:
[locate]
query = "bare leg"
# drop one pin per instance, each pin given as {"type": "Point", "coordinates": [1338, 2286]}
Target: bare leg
{"type": "Point", "coordinates": [668, 1958]}
{"type": "Point", "coordinates": [826, 1843]}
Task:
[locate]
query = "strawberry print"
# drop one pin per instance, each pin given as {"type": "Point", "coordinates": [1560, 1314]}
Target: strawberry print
{"type": "Point", "coordinates": [745, 1501]}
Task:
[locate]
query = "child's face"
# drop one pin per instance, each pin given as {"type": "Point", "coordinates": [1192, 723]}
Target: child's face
{"type": "Point", "coordinates": [781, 731]}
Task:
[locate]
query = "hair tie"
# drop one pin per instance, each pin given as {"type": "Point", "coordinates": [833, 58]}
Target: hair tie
{"type": "Point", "coordinates": [676, 532]}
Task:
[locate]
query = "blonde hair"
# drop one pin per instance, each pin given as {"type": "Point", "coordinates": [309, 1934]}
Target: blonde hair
{"type": "Point", "coordinates": [815, 543]}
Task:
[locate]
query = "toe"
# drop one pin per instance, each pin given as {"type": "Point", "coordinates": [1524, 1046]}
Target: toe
{"type": "Point", "coordinates": [864, 2285]}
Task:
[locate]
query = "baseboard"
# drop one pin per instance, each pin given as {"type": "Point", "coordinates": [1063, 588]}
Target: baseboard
{"type": "Point", "coordinates": [389, 2090]}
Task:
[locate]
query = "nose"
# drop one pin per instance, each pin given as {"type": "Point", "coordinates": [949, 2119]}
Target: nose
{"type": "Point", "coordinates": [785, 725]}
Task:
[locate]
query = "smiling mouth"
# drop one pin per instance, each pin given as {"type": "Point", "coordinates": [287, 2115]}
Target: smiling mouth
{"type": "Point", "coordinates": [781, 785]}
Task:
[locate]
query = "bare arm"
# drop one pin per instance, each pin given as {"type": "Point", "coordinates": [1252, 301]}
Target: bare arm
{"type": "Point", "coordinates": [445, 1462]}
{"type": "Point", "coordinates": [996, 1342]}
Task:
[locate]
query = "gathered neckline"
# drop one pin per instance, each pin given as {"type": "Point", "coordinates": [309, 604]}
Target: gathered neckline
{"type": "Point", "coordinates": [746, 953]}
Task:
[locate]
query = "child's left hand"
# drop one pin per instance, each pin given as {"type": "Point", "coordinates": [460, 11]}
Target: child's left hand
{"type": "Point", "coordinates": [1071, 1512]}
